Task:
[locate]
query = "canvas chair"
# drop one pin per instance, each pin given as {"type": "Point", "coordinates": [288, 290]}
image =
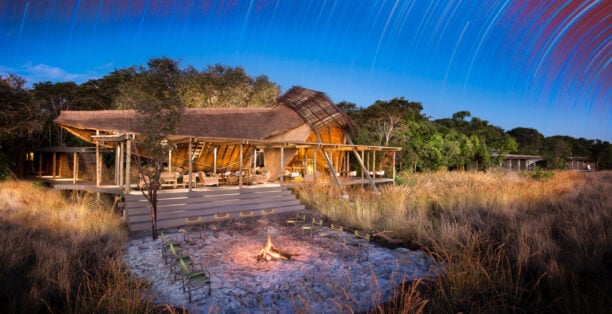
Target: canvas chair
{"type": "Point", "coordinates": [166, 242]}
{"type": "Point", "coordinates": [193, 225]}
{"type": "Point", "coordinates": [311, 227]}
{"type": "Point", "coordinates": [194, 277]}
{"type": "Point", "coordinates": [218, 218]}
{"type": "Point", "coordinates": [175, 255]}
{"type": "Point", "coordinates": [334, 231]}
{"type": "Point", "coordinates": [298, 220]}
{"type": "Point", "coordinates": [358, 246]}
{"type": "Point", "coordinates": [207, 180]}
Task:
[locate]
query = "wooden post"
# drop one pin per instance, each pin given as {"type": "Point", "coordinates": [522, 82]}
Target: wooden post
{"type": "Point", "coordinates": [282, 168]}
{"type": "Point", "coordinates": [98, 162]}
{"type": "Point", "coordinates": [374, 163]}
{"type": "Point", "coordinates": [254, 159]}
{"type": "Point", "coordinates": [53, 168]}
{"type": "Point", "coordinates": [394, 167]}
{"type": "Point", "coordinates": [314, 171]}
{"type": "Point", "coordinates": [40, 162]}
{"type": "Point", "coordinates": [363, 169]}
{"type": "Point", "coordinates": [128, 163]}
{"type": "Point", "coordinates": [170, 159]}
{"type": "Point", "coordinates": [121, 148]}
{"type": "Point", "coordinates": [347, 160]}
{"type": "Point", "coordinates": [190, 164]}
{"type": "Point", "coordinates": [215, 160]}
{"type": "Point", "coordinates": [240, 167]}
{"type": "Point", "coordinates": [75, 167]}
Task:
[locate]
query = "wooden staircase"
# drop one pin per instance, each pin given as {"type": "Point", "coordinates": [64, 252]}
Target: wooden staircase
{"type": "Point", "coordinates": [211, 204]}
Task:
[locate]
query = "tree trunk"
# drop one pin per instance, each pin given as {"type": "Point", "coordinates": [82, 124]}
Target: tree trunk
{"type": "Point", "coordinates": [153, 193]}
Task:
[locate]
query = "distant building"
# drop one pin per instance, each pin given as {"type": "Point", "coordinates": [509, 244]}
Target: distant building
{"type": "Point", "coordinates": [521, 162]}
{"type": "Point", "coordinates": [580, 163]}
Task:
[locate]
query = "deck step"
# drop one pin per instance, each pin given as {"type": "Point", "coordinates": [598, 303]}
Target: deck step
{"type": "Point", "coordinates": [175, 206]}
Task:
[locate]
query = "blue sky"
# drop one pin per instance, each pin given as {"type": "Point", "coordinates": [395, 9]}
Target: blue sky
{"type": "Point", "coordinates": [534, 64]}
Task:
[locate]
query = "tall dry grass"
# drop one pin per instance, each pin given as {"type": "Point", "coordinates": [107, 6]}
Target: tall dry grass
{"type": "Point", "coordinates": [63, 255]}
{"type": "Point", "coordinates": [510, 243]}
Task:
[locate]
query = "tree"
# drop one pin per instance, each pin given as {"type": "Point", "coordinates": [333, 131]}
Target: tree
{"type": "Point", "coordinates": [223, 86]}
{"type": "Point", "coordinates": [529, 140]}
{"type": "Point", "coordinates": [153, 91]}
{"type": "Point", "coordinates": [53, 98]}
{"type": "Point", "coordinates": [19, 121]}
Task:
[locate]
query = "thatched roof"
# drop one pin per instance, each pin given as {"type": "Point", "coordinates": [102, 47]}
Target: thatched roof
{"type": "Point", "coordinates": [316, 108]}
{"type": "Point", "coordinates": [297, 107]}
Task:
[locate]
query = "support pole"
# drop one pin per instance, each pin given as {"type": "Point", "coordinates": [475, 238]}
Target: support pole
{"type": "Point", "coordinates": [40, 162]}
{"type": "Point", "coordinates": [363, 170]}
{"type": "Point", "coordinates": [117, 163]}
{"type": "Point", "coordinates": [215, 160]}
{"type": "Point", "coordinates": [170, 160]}
{"type": "Point", "coordinates": [366, 171]}
{"type": "Point", "coordinates": [98, 162]}
{"type": "Point", "coordinates": [75, 167]}
{"type": "Point", "coordinates": [374, 163]}
{"type": "Point", "coordinates": [314, 172]}
{"type": "Point", "coordinates": [128, 163]}
{"type": "Point", "coordinates": [240, 174]}
{"type": "Point", "coordinates": [394, 172]}
{"type": "Point", "coordinates": [121, 156]}
{"type": "Point", "coordinates": [330, 164]}
{"type": "Point", "coordinates": [190, 164]}
{"type": "Point", "coordinates": [282, 163]}
{"type": "Point", "coordinates": [54, 164]}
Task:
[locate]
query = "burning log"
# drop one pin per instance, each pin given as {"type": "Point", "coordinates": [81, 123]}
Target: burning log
{"type": "Point", "coordinates": [269, 252]}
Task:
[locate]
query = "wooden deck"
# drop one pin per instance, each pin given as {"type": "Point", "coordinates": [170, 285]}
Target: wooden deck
{"type": "Point", "coordinates": [212, 204]}
{"type": "Point", "coordinates": [60, 183]}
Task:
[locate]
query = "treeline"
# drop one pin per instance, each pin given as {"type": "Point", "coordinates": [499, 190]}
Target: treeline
{"type": "Point", "coordinates": [452, 143]}
{"type": "Point", "coordinates": [27, 114]}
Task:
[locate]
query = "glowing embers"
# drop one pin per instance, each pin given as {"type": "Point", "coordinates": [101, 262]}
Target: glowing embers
{"type": "Point", "coordinates": [270, 253]}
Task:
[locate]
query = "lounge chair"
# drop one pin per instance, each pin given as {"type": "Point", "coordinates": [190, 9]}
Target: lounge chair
{"type": "Point", "coordinates": [207, 180]}
{"type": "Point", "coordinates": [168, 179]}
{"type": "Point", "coordinates": [193, 183]}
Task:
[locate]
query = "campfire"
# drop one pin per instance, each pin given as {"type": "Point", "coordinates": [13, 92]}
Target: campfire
{"type": "Point", "coordinates": [270, 253]}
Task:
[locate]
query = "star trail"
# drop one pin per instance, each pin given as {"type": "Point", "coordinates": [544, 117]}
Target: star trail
{"type": "Point", "coordinates": [540, 64]}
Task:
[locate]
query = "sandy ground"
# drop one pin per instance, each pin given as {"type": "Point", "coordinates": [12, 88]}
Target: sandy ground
{"type": "Point", "coordinates": [324, 276]}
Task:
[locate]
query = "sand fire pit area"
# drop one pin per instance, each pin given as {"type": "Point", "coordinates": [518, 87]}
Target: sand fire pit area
{"type": "Point", "coordinates": [336, 273]}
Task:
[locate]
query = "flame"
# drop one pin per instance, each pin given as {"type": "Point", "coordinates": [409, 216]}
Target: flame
{"type": "Point", "coordinates": [269, 252]}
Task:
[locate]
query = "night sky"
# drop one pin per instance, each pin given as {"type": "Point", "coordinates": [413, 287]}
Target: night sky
{"type": "Point", "coordinates": [539, 64]}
